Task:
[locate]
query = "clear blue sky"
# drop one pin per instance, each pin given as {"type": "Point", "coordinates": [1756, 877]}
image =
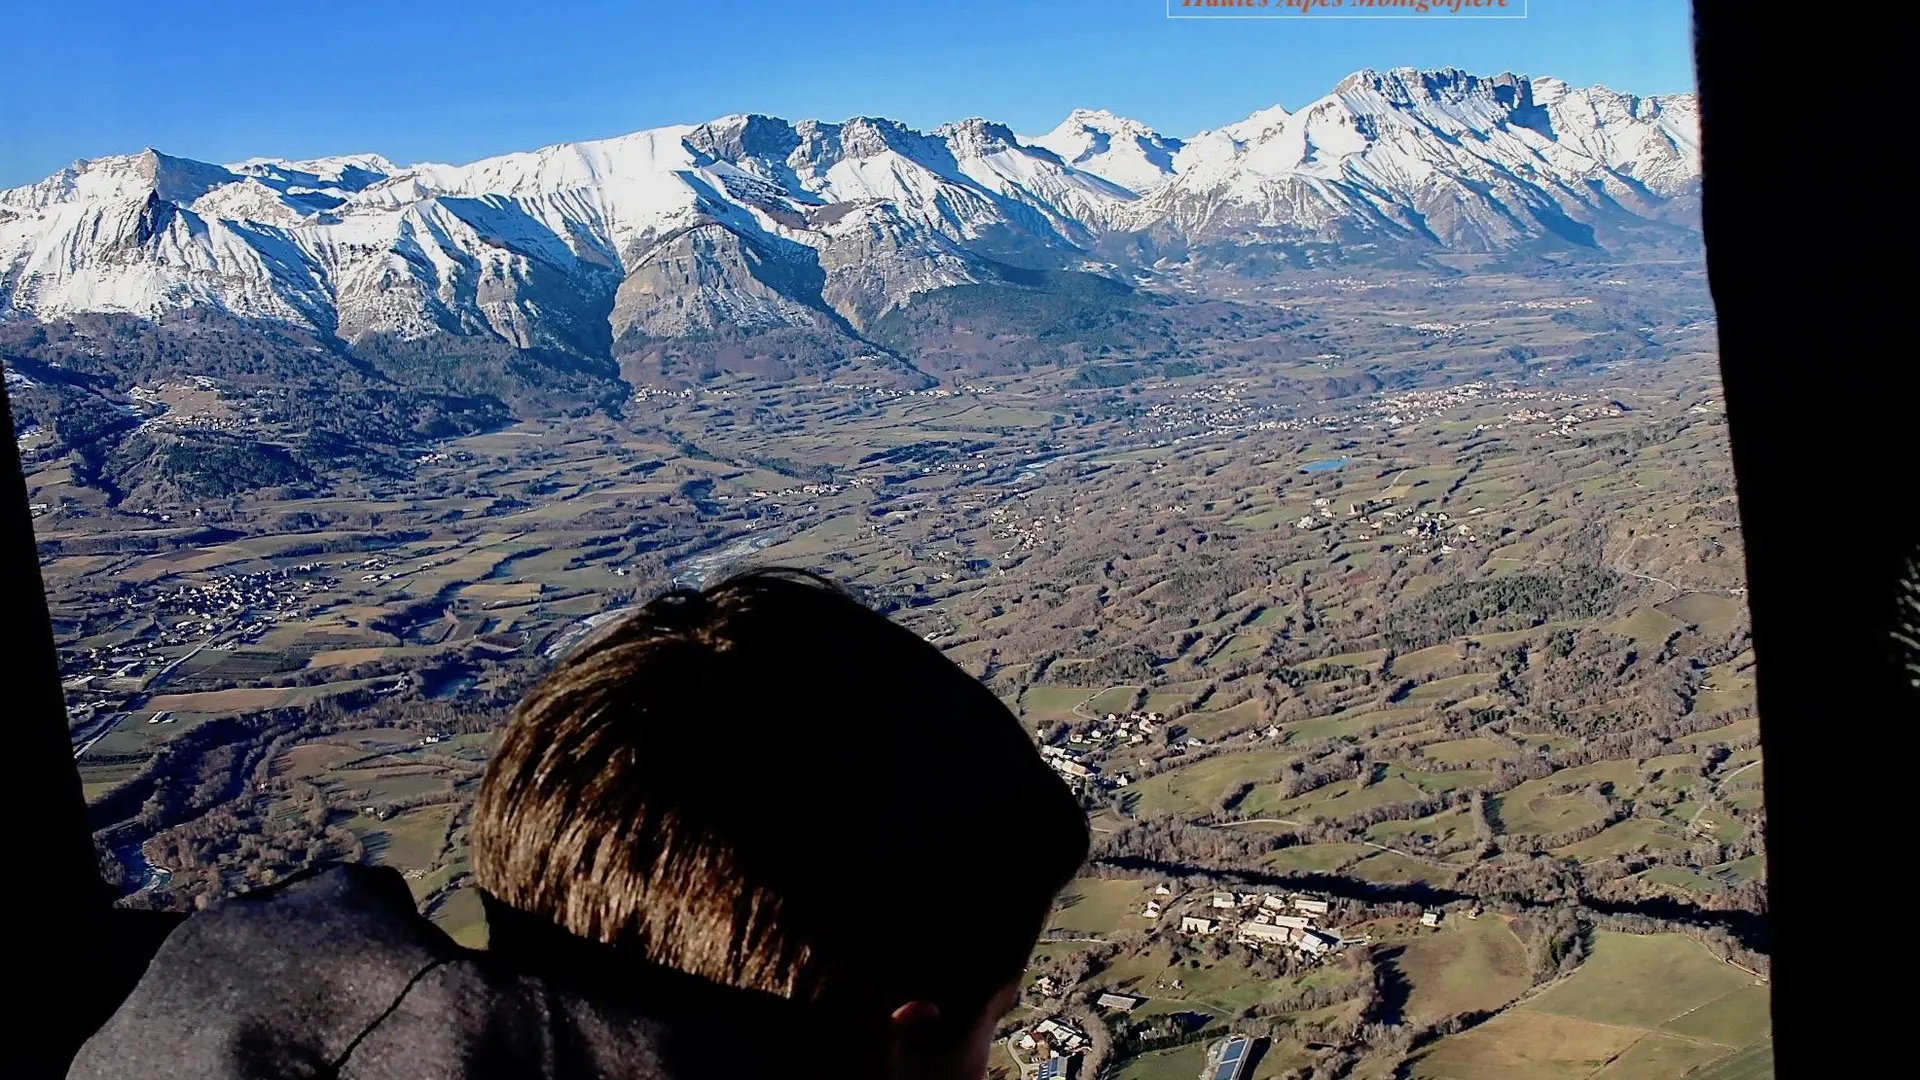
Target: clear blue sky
{"type": "Point", "coordinates": [221, 80]}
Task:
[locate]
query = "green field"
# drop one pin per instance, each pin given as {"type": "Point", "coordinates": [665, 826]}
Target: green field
{"type": "Point", "coordinates": [1754, 1062]}
{"type": "Point", "coordinates": [1333, 800]}
{"type": "Point", "coordinates": [1100, 906]}
{"type": "Point", "coordinates": [1465, 965]}
{"type": "Point", "coordinates": [1642, 981]}
{"type": "Point", "coordinates": [1193, 789]}
{"type": "Point", "coordinates": [1116, 700]}
{"type": "Point", "coordinates": [1180, 1063]}
{"type": "Point", "coordinates": [1045, 704]}
{"type": "Point", "coordinates": [1648, 1007]}
{"type": "Point", "coordinates": [462, 917]}
{"type": "Point", "coordinates": [1648, 627]}
{"type": "Point", "coordinates": [1315, 858]}
{"type": "Point", "coordinates": [1714, 615]}
{"type": "Point", "coordinates": [1393, 868]}
{"type": "Point", "coordinates": [1631, 835]}
{"type": "Point", "coordinates": [1456, 751]}
{"type": "Point", "coordinates": [412, 840]}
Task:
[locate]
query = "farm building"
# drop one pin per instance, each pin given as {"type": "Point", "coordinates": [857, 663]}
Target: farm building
{"type": "Point", "coordinates": [1060, 1034]}
{"type": "Point", "coordinates": [1265, 933]}
{"type": "Point", "coordinates": [1231, 1060]}
{"type": "Point", "coordinates": [1314, 943]}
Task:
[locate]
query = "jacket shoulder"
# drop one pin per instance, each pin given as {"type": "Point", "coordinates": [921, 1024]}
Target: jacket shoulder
{"type": "Point", "coordinates": [280, 983]}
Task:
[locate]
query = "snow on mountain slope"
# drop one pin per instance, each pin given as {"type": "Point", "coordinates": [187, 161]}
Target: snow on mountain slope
{"type": "Point", "coordinates": [753, 222]}
{"type": "Point", "coordinates": [119, 234]}
{"type": "Point", "coordinates": [1443, 157]}
{"type": "Point", "coordinates": [1113, 148]}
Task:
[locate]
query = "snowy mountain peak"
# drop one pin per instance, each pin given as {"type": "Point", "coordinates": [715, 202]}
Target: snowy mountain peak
{"type": "Point", "coordinates": [1116, 149]}
{"type": "Point", "coordinates": [746, 135]}
{"type": "Point", "coordinates": [122, 176]}
{"type": "Point", "coordinates": [867, 136]}
{"type": "Point", "coordinates": [975, 137]}
{"type": "Point", "coordinates": [1105, 120]}
{"type": "Point", "coordinates": [751, 221]}
{"type": "Point", "coordinates": [1448, 157]}
{"type": "Point", "coordinates": [349, 172]}
{"type": "Point", "coordinates": [1256, 125]}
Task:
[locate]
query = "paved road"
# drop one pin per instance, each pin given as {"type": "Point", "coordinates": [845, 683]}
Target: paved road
{"type": "Point", "coordinates": [1650, 577]}
{"type": "Point", "coordinates": [1713, 795]}
{"type": "Point", "coordinates": [1014, 1053]}
{"type": "Point", "coordinates": [96, 733]}
{"type": "Point", "coordinates": [85, 740]}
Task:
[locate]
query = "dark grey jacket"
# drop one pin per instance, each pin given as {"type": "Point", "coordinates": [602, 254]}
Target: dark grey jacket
{"type": "Point", "coordinates": [336, 975]}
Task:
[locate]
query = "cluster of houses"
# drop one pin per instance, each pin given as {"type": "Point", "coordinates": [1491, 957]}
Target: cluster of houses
{"type": "Point", "coordinates": [1070, 765]}
{"type": "Point", "coordinates": [1053, 1044]}
{"type": "Point", "coordinates": [194, 406]}
{"type": "Point", "coordinates": [225, 612]}
{"type": "Point", "coordinates": [1071, 762]}
{"type": "Point", "coordinates": [1259, 919]}
{"type": "Point", "coordinates": [1423, 528]}
{"type": "Point", "coordinates": [1074, 764]}
{"type": "Point", "coordinates": [804, 489]}
{"type": "Point", "coordinates": [1564, 423]}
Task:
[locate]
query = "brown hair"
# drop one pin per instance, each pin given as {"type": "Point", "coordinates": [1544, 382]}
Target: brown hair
{"type": "Point", "coordinates": [769, 785]}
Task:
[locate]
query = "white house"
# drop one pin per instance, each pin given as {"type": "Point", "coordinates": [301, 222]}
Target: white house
{"type": "Point", "coordinates": [1223, 900]}
{"type": "Point", "coordinates": [1193, 924]}
{"type": "Point", "coordinates": [1059, 1033]}
{"type": "Point", "coordinates": [1429, 918]}
{"type": "Point", "coordinates": [1310, 906]}
{"type": "Point", "coordinates": [1313, 942]}
{"type": "Point", "coordinates": [1265, 933]}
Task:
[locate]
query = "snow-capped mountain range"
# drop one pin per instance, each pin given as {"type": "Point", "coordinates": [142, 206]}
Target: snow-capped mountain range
{"type": "Point", "coordinates": [753, 222]}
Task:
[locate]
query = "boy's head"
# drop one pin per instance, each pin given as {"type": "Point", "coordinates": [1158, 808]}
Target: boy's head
{"type": "Point", "coordinates": [773, 787]}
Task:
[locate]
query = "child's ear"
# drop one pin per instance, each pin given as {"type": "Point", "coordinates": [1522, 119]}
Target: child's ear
{"type": "Point", "coordinates": [915, 1017]}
